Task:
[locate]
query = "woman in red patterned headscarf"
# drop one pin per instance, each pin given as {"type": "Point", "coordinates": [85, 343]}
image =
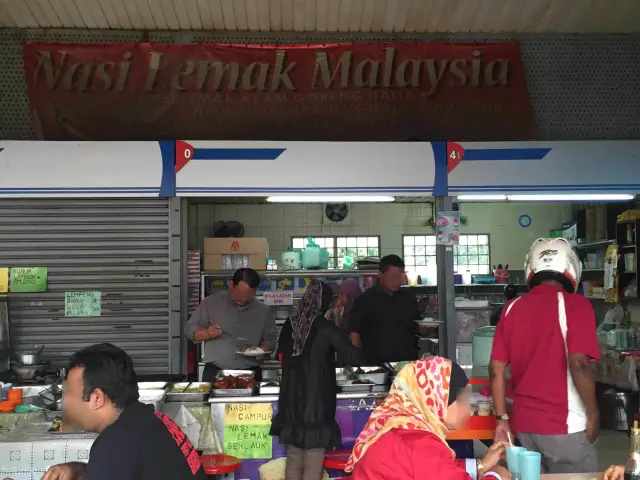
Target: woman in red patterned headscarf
{"type": "Point", "coordinates": [404, 438]}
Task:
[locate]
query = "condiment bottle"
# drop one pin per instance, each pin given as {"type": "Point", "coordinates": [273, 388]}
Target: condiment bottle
{"type": "Point", "coordinates": [632, 467]}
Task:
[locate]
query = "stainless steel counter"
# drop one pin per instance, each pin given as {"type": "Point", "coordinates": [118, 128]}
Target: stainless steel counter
{"type": "Point", "coordinates": [274, 398]}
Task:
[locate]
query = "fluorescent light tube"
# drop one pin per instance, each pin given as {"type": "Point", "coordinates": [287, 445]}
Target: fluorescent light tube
{"type": "Point", "coordinates": [571, 197]}
{"type": "Point", "coordinates": [481, 197]}
{"type": "Point", "coordinates": [329, 199]}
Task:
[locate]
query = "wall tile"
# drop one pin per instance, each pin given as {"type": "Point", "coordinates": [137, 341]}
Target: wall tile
{"type": "Point", "coordinates": [226, 213]}
{"type": "Point", "coordinates": [206, 216]}
{"type": "Point", "coordinates": [295, 215]}
{"type": "Point", "coordinates": [272, 215]}
{"type": "Point", "coordinates": [315, 213]}
{"type": "Point", "coordinates": [250, 215]}
{"type": "Point", "coordinates": [509, 242]}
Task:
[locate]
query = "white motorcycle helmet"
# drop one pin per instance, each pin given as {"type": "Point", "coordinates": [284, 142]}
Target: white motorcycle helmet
{"type": "Point", "coordinates": [553, 259]}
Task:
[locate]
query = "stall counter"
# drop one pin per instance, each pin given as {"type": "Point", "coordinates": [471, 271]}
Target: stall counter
{"type": "Point", "coordinates": [243, 424]}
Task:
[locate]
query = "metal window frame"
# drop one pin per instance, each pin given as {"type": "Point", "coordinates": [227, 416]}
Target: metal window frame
{"type": "Point", "coordinates": [454, 255]}
{"type": "Point", "coordinates": [335, 243]}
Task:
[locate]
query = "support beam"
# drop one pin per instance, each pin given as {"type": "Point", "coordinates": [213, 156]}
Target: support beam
{"type": "Point", "coordinates": [446, 290]}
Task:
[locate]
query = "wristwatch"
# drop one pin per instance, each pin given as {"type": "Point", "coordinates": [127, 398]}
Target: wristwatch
{"type": "Point", "coordinates": [480, 468]}
{"type": "Point", "coordinates": [502, 417]}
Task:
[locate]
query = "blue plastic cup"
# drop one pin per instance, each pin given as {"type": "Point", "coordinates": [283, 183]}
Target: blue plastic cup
{"type": "Point", "coordinates": [513, 461]}
{"type": "Point", "coordinates": [530, 465]}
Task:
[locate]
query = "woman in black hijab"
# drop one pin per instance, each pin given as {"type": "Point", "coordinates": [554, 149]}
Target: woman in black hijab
{"type": "Point", "coordinates": [307, 405]}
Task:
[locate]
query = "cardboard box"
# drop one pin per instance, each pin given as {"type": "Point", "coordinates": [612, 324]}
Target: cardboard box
{"type": "Point", "coordinates": [233, 253]}
{"type": "Point", "coordinates": [240, 246]}
{"type": "Point", "coordinates": [219, 262]}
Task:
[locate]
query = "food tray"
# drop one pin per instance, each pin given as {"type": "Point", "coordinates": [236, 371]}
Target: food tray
{"type": "Point", "coordinates": [269, 390]}
{"type": "Point", "coordinates": [188, 397]}
{"type": "Point", "coordinates": [234, 392]}
{"type": "Point", "coordinates": [345, 373]}
{"type": "Point", "coordinates": [146, 395]}
{"type": "Point", "coordinates": [358, 387]}
{"type": "Point", "coordinates": [152, 385]}
{"type": "Point", "coordinates": [377, 378]}
{"type": "Point", "coordinates": [236, 373]}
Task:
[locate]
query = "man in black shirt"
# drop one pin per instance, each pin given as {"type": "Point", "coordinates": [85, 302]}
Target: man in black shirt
{"type": "Point", "coordinates": [135, 442]}
{"type": "Point", "coordinates": [382, 318]}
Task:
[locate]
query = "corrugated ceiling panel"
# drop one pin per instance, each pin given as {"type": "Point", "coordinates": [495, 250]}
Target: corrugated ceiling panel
{"type": "Point", "coordinates": [117, 247]}
{"type": "Point", "coordinates": [456, 16]}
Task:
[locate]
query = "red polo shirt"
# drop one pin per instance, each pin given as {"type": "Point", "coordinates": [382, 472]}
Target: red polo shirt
{"type": "Point", "coordinates": [535, 334]}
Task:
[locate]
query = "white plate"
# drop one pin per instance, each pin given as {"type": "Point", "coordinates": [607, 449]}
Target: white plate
{"type": "Point", "coordinates": [253, 354]}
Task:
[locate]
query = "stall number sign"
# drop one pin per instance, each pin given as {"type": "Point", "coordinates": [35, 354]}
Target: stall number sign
{"type": "Point", "coordinates": [28, 279]}
{"type": "Point", "coordinates": [278, 298]}
{"type": "Point", "coordinates": [246, 430]}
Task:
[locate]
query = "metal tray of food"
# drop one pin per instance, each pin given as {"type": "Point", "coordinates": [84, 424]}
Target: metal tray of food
{"type": "Point", "coordinates": [236, 373]}
{"type": "Point", "coordinates": [152, 385]}
{"type": "Point", "coordinates": [350, 387]}
{"type": "Point", "coordinates": [271, 374]}
{"type": "Point", "coordinates": [376, 375]}
{"type": "Point", "coordinates": [189, 392]}
{"type": "Point", "coordinates": [234, 392]}
{"type": "Point", "coordinates": [269, 388]}
{"type": "Point", "coordinates": [345, 373]}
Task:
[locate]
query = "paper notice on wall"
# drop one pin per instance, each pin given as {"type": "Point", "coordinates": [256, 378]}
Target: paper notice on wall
{"type": "Point", "coordinates": [28, 279]}
{"type": "Point", "coordinates": [246, 430]}
{"type": "Point", "coordinates": [447, 228]}
{"type": "Point", "coordinates": [82, 304]}
{"type": "Point", "coordinates": [4, 280]}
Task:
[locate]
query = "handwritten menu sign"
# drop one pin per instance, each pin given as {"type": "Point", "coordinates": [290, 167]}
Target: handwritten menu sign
{"type": "Point", "coordinates": [82, 304]}
{"type": "Point", "coordinates": [28, 279]}
{"type": "Point", "coordinates": [278, 298]}
{"type": "Point", "coordinates": [246, 430]}
{"type": "Point", "coordinates": [4, 280]}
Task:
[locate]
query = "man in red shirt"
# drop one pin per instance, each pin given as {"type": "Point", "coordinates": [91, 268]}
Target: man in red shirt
{"type": "Point", "coordinates": [548, 339]}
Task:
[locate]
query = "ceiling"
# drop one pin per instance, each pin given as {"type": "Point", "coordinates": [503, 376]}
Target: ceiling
{"type": "Point", "coordinates": [389, 16]}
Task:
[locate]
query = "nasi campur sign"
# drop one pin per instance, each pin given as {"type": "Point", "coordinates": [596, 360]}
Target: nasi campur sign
{"type": "Point", "coordinates": [355, 91]}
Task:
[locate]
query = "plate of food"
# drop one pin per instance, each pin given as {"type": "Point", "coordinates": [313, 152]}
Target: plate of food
{"type": "Point", "coordinates": [253, 352]}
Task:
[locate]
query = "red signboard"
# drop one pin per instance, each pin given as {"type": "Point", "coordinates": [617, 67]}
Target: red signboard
{"type": "Point", "coordinates": [356, 91]}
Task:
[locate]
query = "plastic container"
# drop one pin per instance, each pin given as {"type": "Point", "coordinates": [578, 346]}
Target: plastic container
{"type": "Point", "coordinates": [481, 345]}
{"type": "Point", "coordinates": [291, 260]}
{"type": "Point", "coordinates": [15, 396]}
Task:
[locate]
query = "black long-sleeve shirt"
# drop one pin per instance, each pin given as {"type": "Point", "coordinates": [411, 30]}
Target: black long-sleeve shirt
{"type": "Point", "coordinates": [386, 325]}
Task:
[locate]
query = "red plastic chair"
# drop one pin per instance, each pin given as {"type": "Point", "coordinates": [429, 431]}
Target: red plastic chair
{"type": "Point", "coordinates": [337, 459]}
{"type": "Point", "coordinates": [219, 464]}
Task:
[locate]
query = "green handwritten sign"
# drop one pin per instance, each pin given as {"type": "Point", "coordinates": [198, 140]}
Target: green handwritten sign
{"type": "Point", "coordinates": [82, 304]}
{"type": "Point", "coordinates": [248, 441]}
{"type": "Point", "coordinates": [28, 279]}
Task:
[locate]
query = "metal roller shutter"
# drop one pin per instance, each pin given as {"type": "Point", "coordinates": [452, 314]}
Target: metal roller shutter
{"type": "Point", "coordinates": [117, 246]}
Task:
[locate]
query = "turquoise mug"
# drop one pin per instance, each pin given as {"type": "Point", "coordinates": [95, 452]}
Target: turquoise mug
{"type": "Point", "coordinates": [513, 460]}
{"type": "Point", "coordinates": [530, 465]}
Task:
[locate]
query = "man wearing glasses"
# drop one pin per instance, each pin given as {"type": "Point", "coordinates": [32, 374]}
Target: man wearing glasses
{"type": "Point", "coordinates": [382, 318]}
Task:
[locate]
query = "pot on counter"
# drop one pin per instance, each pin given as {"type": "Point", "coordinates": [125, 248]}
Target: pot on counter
{"type": "Point", "coordinates": [30, 357]}
{"type": "Point", "coordinates": [26, 373]}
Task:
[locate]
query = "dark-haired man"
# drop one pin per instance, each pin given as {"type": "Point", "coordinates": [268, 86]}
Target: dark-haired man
{"type": "Point", "coordinates": [382, 318]}
{"type": "Point", "coordinates": [135, 442]}
{"type": "Point", "coordinates": [229, 322]}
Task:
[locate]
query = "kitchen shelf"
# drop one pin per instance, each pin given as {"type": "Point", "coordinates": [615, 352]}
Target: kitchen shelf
{"type": "Point", "coordinates": [596, 244]}
{"type": "Point", "coordinates": [593, 269]}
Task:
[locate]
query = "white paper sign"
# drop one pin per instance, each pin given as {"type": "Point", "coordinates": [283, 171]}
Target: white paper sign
{"type": "Point", "coordinates": [278, 298]}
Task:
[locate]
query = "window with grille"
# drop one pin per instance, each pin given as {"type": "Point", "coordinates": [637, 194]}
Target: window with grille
{"type": "Point", "coordinates": [472, 254]}
{"type": "Point", "coordinates": [341, 247]}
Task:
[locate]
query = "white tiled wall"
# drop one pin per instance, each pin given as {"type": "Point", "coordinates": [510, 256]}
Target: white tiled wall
{"type": "Point", "coordinates": [278, 223]}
